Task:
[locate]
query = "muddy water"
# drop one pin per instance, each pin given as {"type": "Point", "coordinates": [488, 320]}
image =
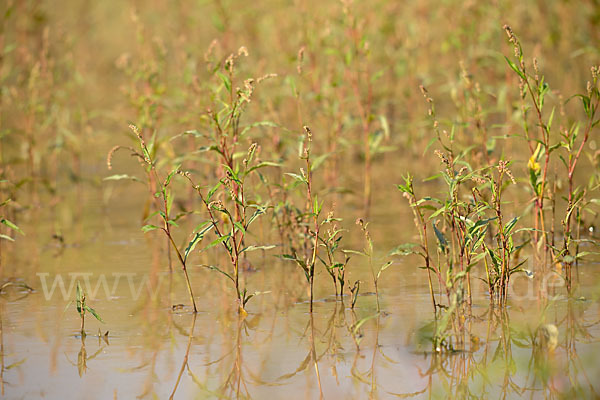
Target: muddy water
{"type": "Point", "coordinates": [279, 350]}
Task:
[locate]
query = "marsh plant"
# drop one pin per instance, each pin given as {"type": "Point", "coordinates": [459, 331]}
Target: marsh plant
{"type": "Point", "coordinates": [82, 307]}
{"type": "Point", "coordinates": [471, 229]}
{"type": "Point", "coordinates": [334, 265]}
{"type": "Point", "coordinates": [13, 228]}
{"type": "Point", "coordinates": [469, 232]}
{"type": "Point", "coordinates": [312, 224]}
{"type": "Point", "coordinates": [230, 205]}
{"type": "Point", "coordinates": [162, 194]}
{"type": "Point", "coordinates": [369, 253]}
{"type": "Point", "coordinates": [231, 220]}
{"type": "Point", "coordinates": [546, 144]}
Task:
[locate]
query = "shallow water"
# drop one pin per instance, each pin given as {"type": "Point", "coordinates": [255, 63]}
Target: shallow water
{"type": "Point", "coordinates": [280, 349]}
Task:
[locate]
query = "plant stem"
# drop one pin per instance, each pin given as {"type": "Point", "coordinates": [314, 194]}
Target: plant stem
{"type": "Point", "coordinates": [182, 261]}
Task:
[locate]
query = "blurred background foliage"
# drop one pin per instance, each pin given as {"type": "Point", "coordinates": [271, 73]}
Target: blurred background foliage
{"type": "Point", "coordinates": [74, 74]}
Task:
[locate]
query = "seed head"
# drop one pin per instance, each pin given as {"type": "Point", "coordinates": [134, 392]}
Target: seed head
{"type": "Point", "coordinates": [210, 50]}
{"type": "Point", "coordinates": [509, 32]}
{"type": "Point", "coordinates": [229, 63]}
{"type": "Point", "coordinates": [522, 88]}
{"type": "Point", "coordinates": [249, 89]}
{"type": "Point", "coordinates": [264, 77]}
{"type": "Point", "coordinates": [185, 174]}
{"type": "Point", "coordinates": [250, 155]}
{"type": "Point", "coordinates": [249, 84]}
{"type": "Point", "coordinates": [442, 157]}
{"type": "Point", "coordinates": [479, 180]}
{"type": "Point", "coordinates": [513, 39]}
{"type": "Point", "coordinates": [300, 60]}
{"type": "Point", "coordinates": [503, 169]}
{"type": "Point", "coordinates": [110, 156]}
{"type": "Point", "coordinates": [308, 133]}
{"type": "Point", "coordinates": [217, 204]}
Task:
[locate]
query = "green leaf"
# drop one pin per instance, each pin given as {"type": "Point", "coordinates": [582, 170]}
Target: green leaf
{"type": "Point", "coordinates": [385, 126]}
{"type": "Point", "coordinates": [438, 212]}
{"type": "Point", "coordinates": [253, 248]}
{"type": "Point", "coordinates": [203, 149]}
{"type": "Point", "coordinates": [15, 365]}
{"type": "Point", "coordinates": [217, 241]}
{"type": "Point", "coordinates": [301, 263]}
{"type": "Point", "coordinates": [586, 103]}
{"type": "Point", "coordinates": [443, 243]}
{"type": "Point", "coordinates": [361, 322]}
{"type": "Point", "coordinates": [6, 237]}
{"type": "Point", "coordinates": [337, 266]}
{"type": "Point", "coordinates": [406, 249]}
{"type": "Point", "coordinates": [476, 259]}
{"type": "Point", "coordinates": [11, 225]}
{"type": "Point", "coordinates": [360, 253]}
{"type": "Point", "coordinates": [170, 176]}
{"type": "Point", "coordinates": [212, 191]}
{"type": "Point", "coordinates": [509, 227]}
{"type": "Point", "coordinates": [515, 68]}
{"type": "Point", "coordinates": [80, 301]}
{"type": "Point", "coordinates": [316, 206]}
{"type": "Point", "coordinates": [550, 119]}
{"type": "Point", "coordinates": [170, 199]}
{"type": "Point", "coordinates": [194, 132]}
{"type": "Point", "coordinates": [240, 228]}
{"type": "Point", "coordinates": [149, 227]}
{"type": "Point", "coordinates": [234, 175]}
{"type": "Point", "coordinates": [119, 177]}
{"type": "Point", "coordinates": [197, 237]}
{"type": "Point", "coordinates": [292, 83]}
{"type": "Point", "coordinates": [318, 161]}
{"type": "Point", "coordinates": [259, 211]}
{"type": "Point", "coordinates": [480, 224]}
{"type": "Point", "coordinates": [94, 313]}
{"type": "Point", "coordinates": [251, 295]}
{"type": "Point", "coordinates": [297, 177]}
{"type": "Point", "coordinates": [262, 165]}
{"type": "Point", "coordinates": [214, 268]}
{"type": "Point", "coordinates": [383, 268]}
{"type": "Point", "coordinates": [585, 253]}
{"type": "Point", "coordinates": [225, 79]}
{"type": "Point", "coordinates": [260, 123]}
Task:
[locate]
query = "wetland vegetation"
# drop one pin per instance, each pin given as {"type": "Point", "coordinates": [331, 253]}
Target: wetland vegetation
{"type": "Point", "coordinates": [343, 199]}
